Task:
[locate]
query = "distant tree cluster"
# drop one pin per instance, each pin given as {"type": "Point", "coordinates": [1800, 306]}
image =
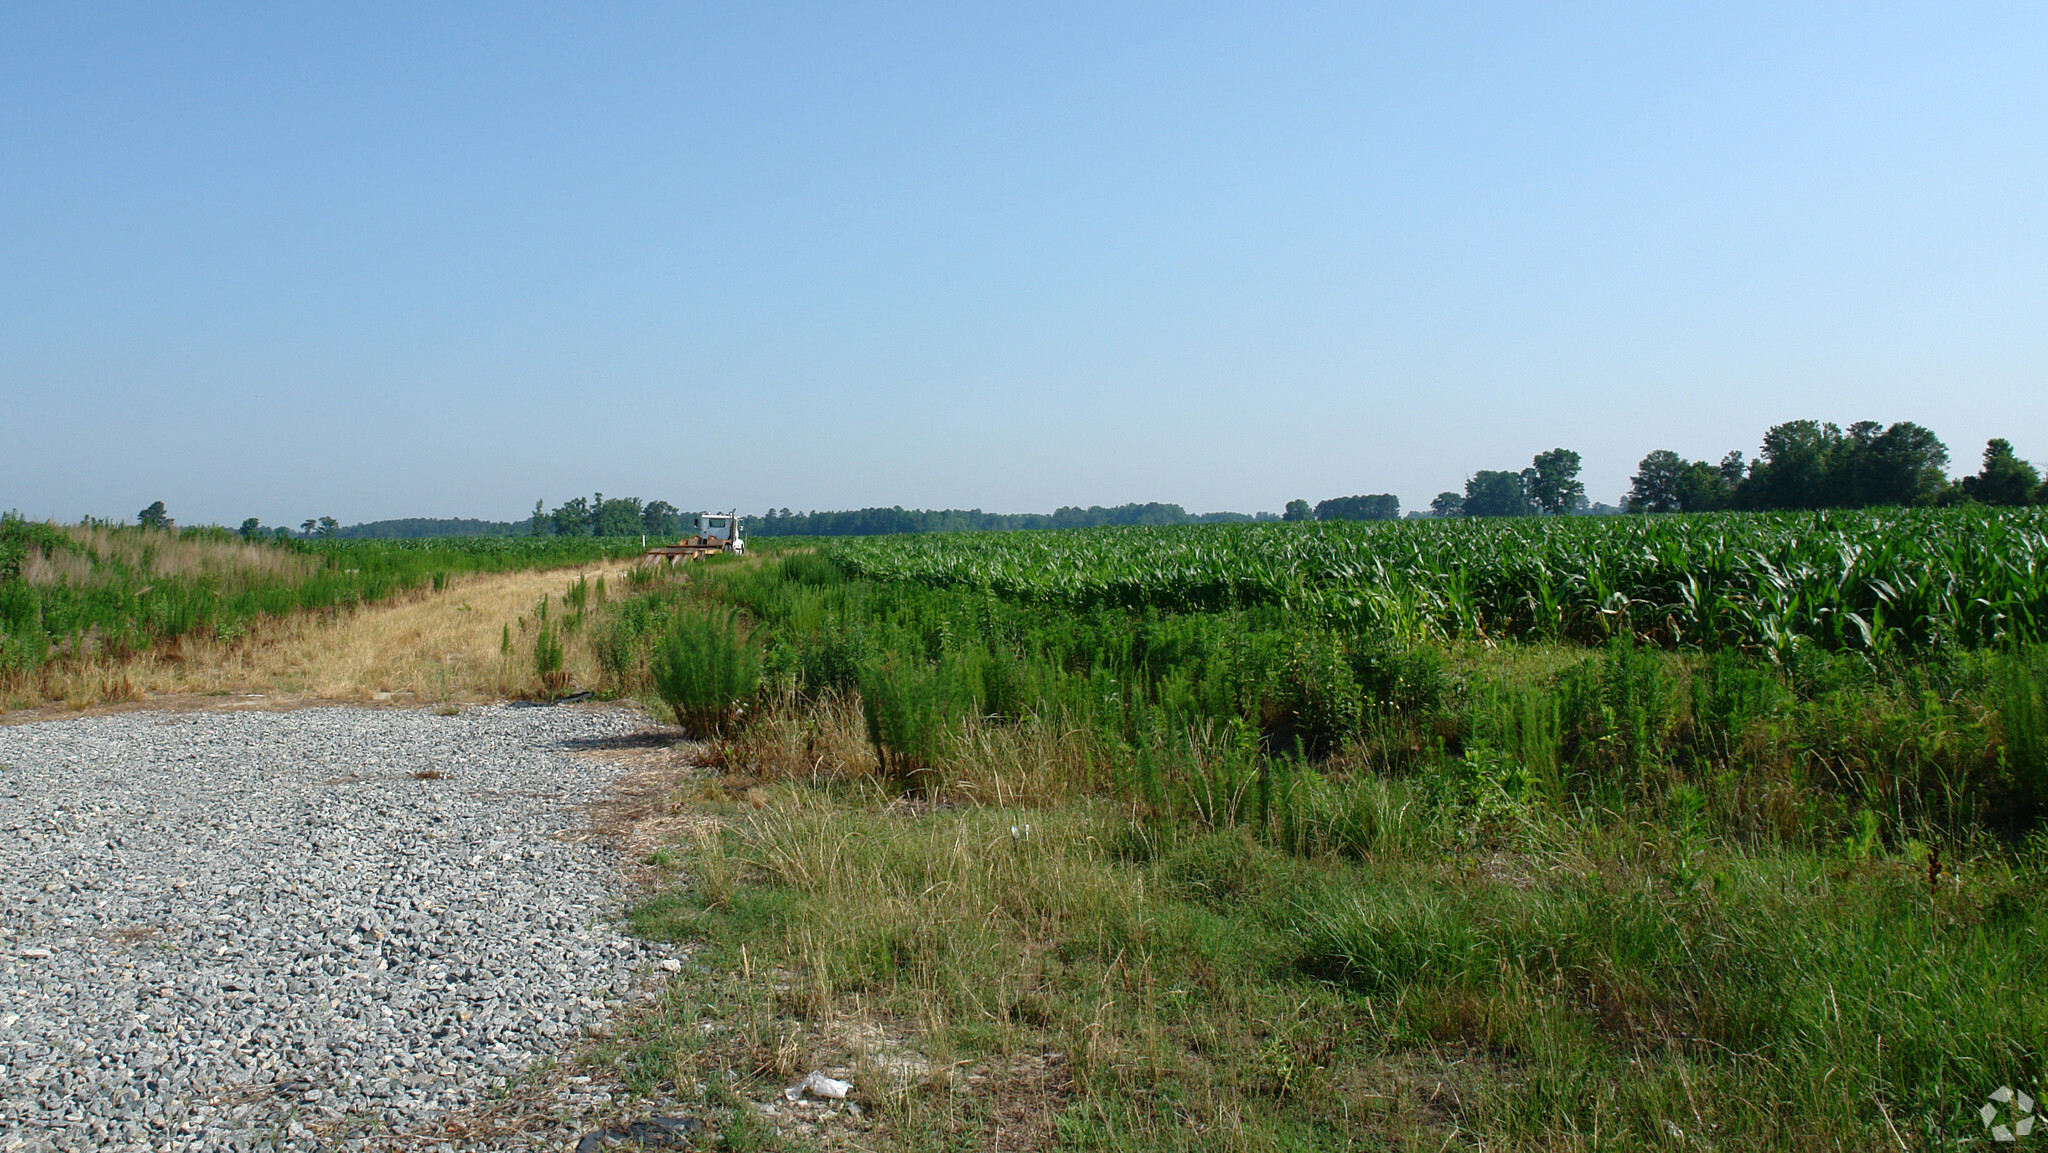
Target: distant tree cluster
{"type": "Point", "coordinates": [1806, 464]}
{"type": "Point", "coordinates": [1552, 483]}
{"type": "Point", "coordinates": [253, 529]}
{"type": "Point", "coordinates": [156, 516]}
{"type": "Point", "coordinates": [596, 515]}
{"type": "Point", "coordinates": [2004, 479]}
{"type": "Point", "coordinates": [1379, 506]}
{"type": "Point", "coordinates": [1550, 486]}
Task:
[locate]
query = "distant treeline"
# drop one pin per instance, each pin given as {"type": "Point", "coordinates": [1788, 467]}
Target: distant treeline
{"type": "Point", "coordinates": [883, 521]}
{"type": "Point", "coordinates": [599, 515]}
{"type": "Point", "coordinates": [327, 528]}
{"type": "Point", "coordinates": [1802, 464]}
{"type": "Point", "coordinates": [421, 526]}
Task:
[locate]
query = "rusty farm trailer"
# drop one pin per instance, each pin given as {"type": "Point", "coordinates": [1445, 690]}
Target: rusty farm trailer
{"type": "Point", "coordinates": [713, 533]}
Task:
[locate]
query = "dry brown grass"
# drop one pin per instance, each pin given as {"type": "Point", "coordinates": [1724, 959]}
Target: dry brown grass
{"type": "Point", "coordinates": [1000, 763]}
{"type": "Point", "coordinates": [427, 646]}
{"type": "Point", "coordinates": [790, 739]}
{"type": "Point", "coordinates": [1023, 763]}
{"type": "Point", "coordinates": [162, 554]}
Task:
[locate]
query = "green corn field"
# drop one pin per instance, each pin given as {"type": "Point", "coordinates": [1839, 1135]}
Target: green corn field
{"type": "Point", "coordinates": [1883, 581]}
{"type": "Point", "coordinates": [1705, 831]}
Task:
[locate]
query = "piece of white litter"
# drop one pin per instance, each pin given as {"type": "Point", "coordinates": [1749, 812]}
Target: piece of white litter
{"type": "Point", "coordinates": [818, 1085]}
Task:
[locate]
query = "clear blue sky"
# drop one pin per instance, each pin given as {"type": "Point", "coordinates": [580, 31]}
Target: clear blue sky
{"type": "Point", "coordinates": [368, 261]}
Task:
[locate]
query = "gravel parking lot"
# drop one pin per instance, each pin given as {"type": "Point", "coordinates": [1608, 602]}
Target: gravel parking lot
{"type": "Point", "coordinates": [240, 928]}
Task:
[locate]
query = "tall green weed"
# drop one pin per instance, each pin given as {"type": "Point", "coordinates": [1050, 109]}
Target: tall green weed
{"type": "Point", "coordinates": [706, 672]}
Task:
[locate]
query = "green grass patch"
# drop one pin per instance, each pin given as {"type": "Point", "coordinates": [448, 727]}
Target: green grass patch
{"type": "Point", "coordinates": [1053, 868]}
{"type": "Point", "coordinates": [1215, 992]}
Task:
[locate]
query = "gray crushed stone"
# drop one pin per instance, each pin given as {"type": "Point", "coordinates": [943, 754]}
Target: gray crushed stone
{"type": "Point", "coordinates": [255, 930]}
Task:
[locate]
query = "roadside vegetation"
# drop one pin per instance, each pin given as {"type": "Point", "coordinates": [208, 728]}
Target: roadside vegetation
{"type": "Point", "coordinates": [1683, 832]}
{"type": "Point", "coordinates": [1565, 834]}
{"type": "Point", "coordinates": [97, 612]}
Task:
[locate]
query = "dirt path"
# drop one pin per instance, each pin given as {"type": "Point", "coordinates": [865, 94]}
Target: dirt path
{"type": "Point", "coordinates": [447, 646]}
